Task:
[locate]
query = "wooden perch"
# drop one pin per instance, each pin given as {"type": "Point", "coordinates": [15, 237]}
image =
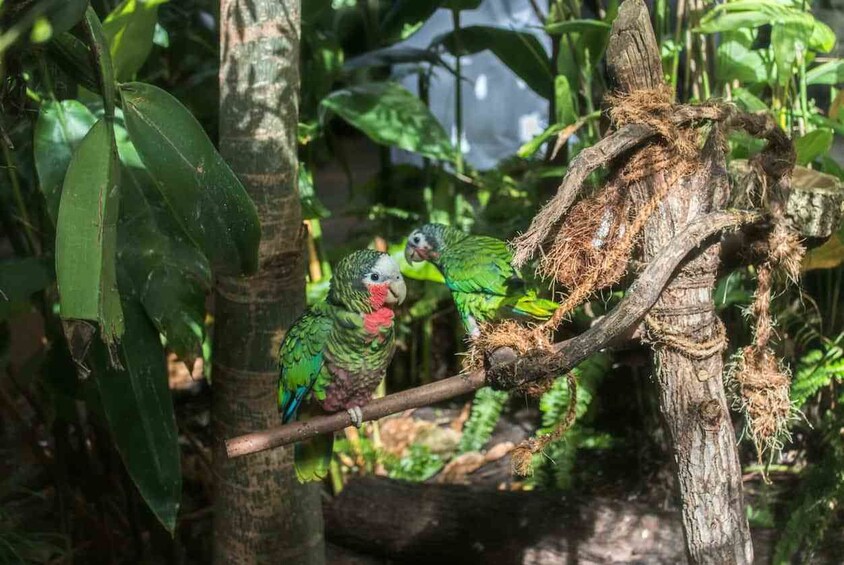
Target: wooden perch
{"type": "Point", "coordinates": [509, 373]}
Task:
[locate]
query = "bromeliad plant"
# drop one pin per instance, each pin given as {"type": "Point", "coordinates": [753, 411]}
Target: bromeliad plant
{"type": "Point", "coordinates": [122, 205]}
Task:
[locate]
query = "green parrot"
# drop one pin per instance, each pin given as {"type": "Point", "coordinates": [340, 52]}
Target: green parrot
{"type": "Point", "coordinates": [479, 272]}
{"type": "Point", "coordinates": [337, 353]}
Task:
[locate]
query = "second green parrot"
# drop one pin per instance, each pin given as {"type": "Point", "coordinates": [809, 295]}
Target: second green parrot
{"type": "Point", "coordinates": [479, 272]}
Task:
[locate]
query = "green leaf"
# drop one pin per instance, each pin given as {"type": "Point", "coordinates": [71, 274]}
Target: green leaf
{"type": "Point", "coordinates": [822, 39]}
{"type": "Point", "coordinates": [571, 26]}
{"type": "Point", "coordinates": [749, 102]}
{"type": "Point", "coordinates": [130, 29]}
{"type": "Point", "coordinates": [405, 17]}
{"type": "Point", "coordinates": [171, 276]}
{"type": "Point", "coordinates": [58, 131]}
{"type": "Point", "coordinates": [139, 412]}
{"type": "Point", "coordinates": [391, 115]}
{"type": "Point", "coordinates": [19, 280]}
{"type": "Point", "coordinates": [737, 62]}
{"type": "Point", "coordinates": [830, 73]}
{"type": "Point", "coordinates": [520, 51]}
{"type": "Point", "coordinates": [312, 208]}
{"type": "Point", "coordinates": [64, 15]}
{"type": "Point", "coordinates": [204, 195]}
{"type": "Point", "coordinates": [532, 146]}
{"type": "Point", "coordinates": [564, 101]}
{"type": "Point", "coordinates": [105, 67]}
{"type": "Point", "coordinates": [788, 42]}
{"type": "Point", "coordinates": [74, 57]}
{"type": "Point", "coordinates": [813, 145]}
{"type": "Point", "coordinates": [86, 234]}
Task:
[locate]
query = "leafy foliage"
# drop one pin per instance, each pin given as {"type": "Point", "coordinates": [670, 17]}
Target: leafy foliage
{"type": "Point", "coordinates": [486, 409]}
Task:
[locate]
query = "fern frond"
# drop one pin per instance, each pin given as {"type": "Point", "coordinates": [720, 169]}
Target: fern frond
{"type": "Point", "coordinates": [817, 369]}
{"type": "Point", "coordinates": [486, 409]}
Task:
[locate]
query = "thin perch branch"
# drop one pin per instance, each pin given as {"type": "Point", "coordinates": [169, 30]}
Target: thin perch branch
{"type": "Point", "coordinates": [513, 372]}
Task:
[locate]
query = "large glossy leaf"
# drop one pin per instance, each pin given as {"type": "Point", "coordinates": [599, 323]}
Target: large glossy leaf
{"type": "Point", "coordinates": [58, 131]}
{"type": "Point", "coordinates": [19, 280]}
{"type": "Point", "coordinates": [205, 196]}
{"type": "Point", "coordinates": [813, 145]}
{"type": "Point", "coordinates": [738, 62]}
{"type": "Point", "coordinates": [130, 29]}
{"type": "Point", "coordinates": [86, 234]}
{"type": "Point", "coordinates": [520, 51]}
{"type": "Point", "coordinates": [170, 275]}
{"type": "Point", "coordinates": [830, 73]}
{"type": "Point", "coordinates": [787, 41]}
{"type": "Point", "coordinates": [390, 115]}
{"type": "Point", "coordinates": [139, 410]}
{"type": "Point", "coordinates": [405, 17]}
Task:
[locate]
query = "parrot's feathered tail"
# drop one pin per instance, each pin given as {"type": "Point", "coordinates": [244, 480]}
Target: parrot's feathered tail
{"type": "Point", "coordinates": [529, 304]}
{"type": "Point", "coordinates": [312, 458]}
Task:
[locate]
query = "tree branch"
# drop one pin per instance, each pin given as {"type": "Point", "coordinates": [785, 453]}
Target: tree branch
{"type": "Point", "coordinates": [509, 373]}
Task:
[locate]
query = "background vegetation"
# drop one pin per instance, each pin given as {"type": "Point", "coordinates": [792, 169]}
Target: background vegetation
{"type": "Point", "coordinates": [109, 465]}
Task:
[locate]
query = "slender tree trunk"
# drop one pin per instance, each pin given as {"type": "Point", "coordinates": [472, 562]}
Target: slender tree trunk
{"type": "Point", "coordinates": [261, 513]}
{"type": "Point", "coordinates": [691, 393]}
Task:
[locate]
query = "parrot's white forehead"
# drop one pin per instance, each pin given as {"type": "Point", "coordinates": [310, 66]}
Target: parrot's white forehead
{"type": "Point", "coordinates": [387, 266]}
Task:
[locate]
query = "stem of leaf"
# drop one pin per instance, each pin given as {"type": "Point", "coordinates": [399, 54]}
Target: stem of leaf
{"type": "Point", "coordinates": [458, 92]}
{"type": "Point", "coordinates": [18, 195]}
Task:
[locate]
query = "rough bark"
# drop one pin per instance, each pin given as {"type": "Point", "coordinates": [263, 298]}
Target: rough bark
{"type": "Point", "coordinates": [262, 514]}
{"type": "Point", "coordinates": [691, 394]}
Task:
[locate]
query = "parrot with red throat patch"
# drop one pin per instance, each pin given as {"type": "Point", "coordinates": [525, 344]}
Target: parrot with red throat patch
{"type": "Point", "coordinates": [336, 354]}
{"type": "Point", "coordinates": [479, 273]}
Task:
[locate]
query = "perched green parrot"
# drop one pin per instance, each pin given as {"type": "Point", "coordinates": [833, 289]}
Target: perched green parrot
{"type": "Point", "coordinates": [478, 271]}
{"type": "Point", "coordinates": [337, 353]}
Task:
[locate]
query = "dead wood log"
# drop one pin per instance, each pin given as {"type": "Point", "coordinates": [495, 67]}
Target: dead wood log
{"type": "Point", "coordinates": [432, 523]}
{"type": "Point", "coordinates": [691, 394]}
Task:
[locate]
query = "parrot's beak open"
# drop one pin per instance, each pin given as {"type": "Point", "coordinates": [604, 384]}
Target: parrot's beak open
{"type": "Point", "coordinates": [397, 292]}
{"type": "Point", "coordinates": [412, 255]}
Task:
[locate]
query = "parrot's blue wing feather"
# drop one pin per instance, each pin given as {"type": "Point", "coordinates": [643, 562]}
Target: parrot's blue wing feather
{"type": "Point", "coordinates": [301, 360]}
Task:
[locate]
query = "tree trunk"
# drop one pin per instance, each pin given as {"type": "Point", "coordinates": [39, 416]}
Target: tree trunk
{"type": "Point", "coordinates": [261, 513]}
{"type": "Point", "coordinates": [691, 393]}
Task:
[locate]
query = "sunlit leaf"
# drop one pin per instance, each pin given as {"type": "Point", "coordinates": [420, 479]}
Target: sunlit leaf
{"type": "Point", "coordinates": [86, 234]}
{"type": "Point", "coordinates": [130, 29]}
{"type": "Point", "coordinates": [389, 114]}
{"type": "Point", "coordinates": [830, 73]}
{"type": "Point", "coordinates": [737, 62]}
{"type": "Point", "coordinates": [828, 256]}
{"type": "Point", "coordinates": [813, 145]}
{"type": "Point", "coordinates": [58, 131]}
{"type": "Point", "coordinates": [748, 101]}
{"type": "Point", "coordinates": [200, 189]}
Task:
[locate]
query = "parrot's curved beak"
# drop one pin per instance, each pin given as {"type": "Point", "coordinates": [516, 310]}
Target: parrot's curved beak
{"type": "Point", "coordinates": [412, 255]}
{"type": "Point", "coordinates": [397, 292]}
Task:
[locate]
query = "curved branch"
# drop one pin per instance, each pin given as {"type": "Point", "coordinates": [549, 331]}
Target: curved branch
{"type": "Point", "coordinates": [513, 372]}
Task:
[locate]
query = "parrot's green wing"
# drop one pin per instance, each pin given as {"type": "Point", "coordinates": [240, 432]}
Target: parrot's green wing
{"type": "Point", "coordinates": [480, 264]}
{"type": "Point", "coordinates": [301, 360]}
{"type": "Point", "coordinates": [302, 372]}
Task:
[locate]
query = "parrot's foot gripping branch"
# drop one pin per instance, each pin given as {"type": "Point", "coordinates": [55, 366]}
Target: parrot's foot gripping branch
{"type": "Point", "coordinates": [356, 415]}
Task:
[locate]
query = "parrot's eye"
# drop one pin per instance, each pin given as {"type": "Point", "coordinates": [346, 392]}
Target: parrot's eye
{"type": "Point", "coordinates": [415, 239]}
{"type": "Point", "coordinates": [374, 276]}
